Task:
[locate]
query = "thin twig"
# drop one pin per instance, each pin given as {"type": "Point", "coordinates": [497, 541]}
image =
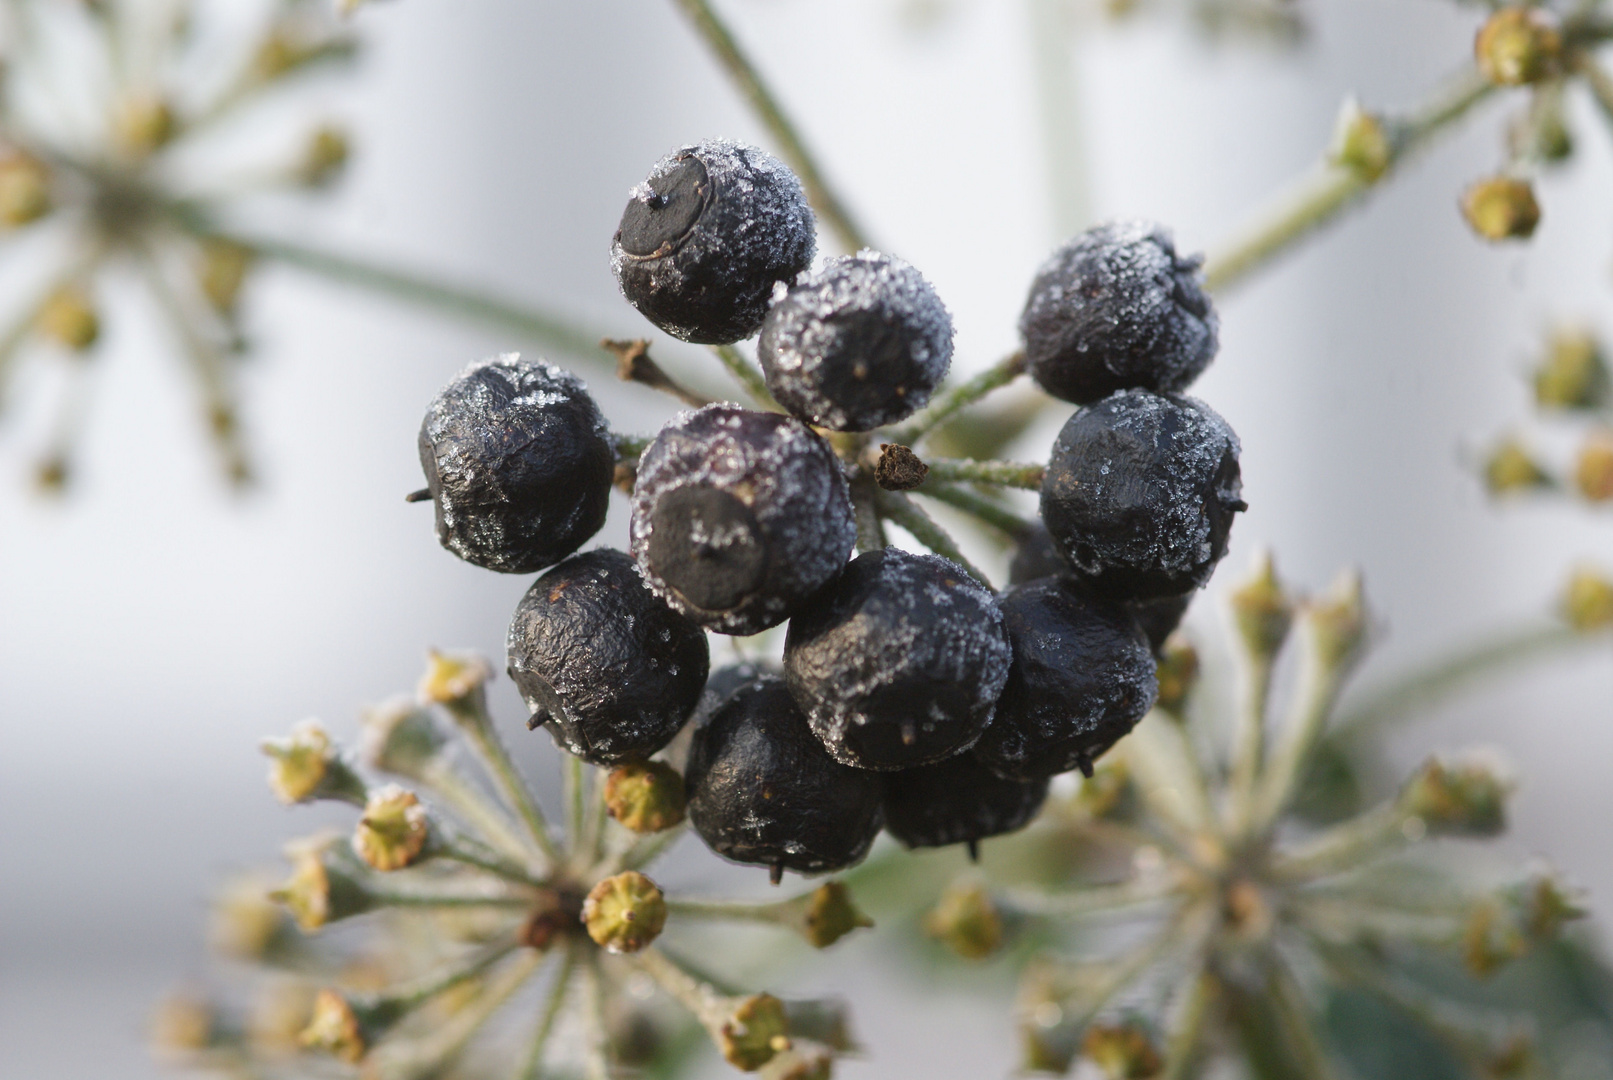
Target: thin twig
{"type": "Point", "coordinates": [1014, 474]}
{"type": "Point", "coordinates": [950, 401]}
{"type": "Point", "coordinates": [998, 517]}
{"type": "Point", "coordinates": [553, 1003]}
{"type": "Point", "coordinates": [829, 205]}
{"type": "Point", "coordinates": [900, 510]}
{"type": "Point", "coordinates": [747, 375]}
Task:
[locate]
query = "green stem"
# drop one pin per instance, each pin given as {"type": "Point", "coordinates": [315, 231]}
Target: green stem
{"type": "Point", "coordinates": [1182, 1042]}
{"type": "Point", "coordinates": [388, 1007]}
{"type": "Point", "coordinates": [471, 712]}
{"type": "Point", "coordinates": [901, 510]}
{"type": "Point", "coordinates": [1012, 474]}
{"type": "Point", "coordinates": [1427, 685]}
{"type": "Point", "coordinates": [702, 1000]}
{"type": "Point", "coordinates": [1249, 738]}
{"type": "Point", "coordinates": [823, 198]}
{"type": "Point", "coordinates": [598, 813]}
{"type": "Point", "coordinates": [574, 781]}
{"type": "Point", "coordinates": [443, 900]}
{"type": "Point", "coordinates": [427, 1056]}
{"type": "Point", "coordinates": [543, 327]}
{"type": "Point", "coordinates": [456, 792]}
{"type": "Point", "coordinates": [646, 850]}
{"type": "Point", "coordinates": [596, 1038]}
{"type": "Point", "coordinates": [553, 1003]}
{"type": "Point", "coordinates": [864, 504]}
{"type": "Point", "coordinates": [1319, 681]}
{"type": "Point", "coordinates": [1345, 846]}
{"type": "Point", "coordinates": [747, 375]}
{"type": "Point", "coordinates": [1294, 1017]}
{"type": "Point", "coordinates": [1332, 188]}
{"type": "Point", "coordinates": [950, 401]}
{"type": "Point", "coordinates": [998, 517]}
{"type": "Point", "coordinates": [465, 850]}
{"type": "Point", "coordinates": [1093, 900]}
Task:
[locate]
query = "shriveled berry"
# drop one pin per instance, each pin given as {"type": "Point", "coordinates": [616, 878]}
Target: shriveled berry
{"type": "Point", "coordinates": [519, 462]}
{"type": "Point", "coordinates": [602, 661]}
{"type": "Point", "coordinates": [706, 236]}
{"type": "Point", "coordinates": [957, 801]}
{"type": "Point", "coordinates": [861, 343]}
{"type": "Point", "coordinates": [1140, 493]}
{"type": "Point", "coordinates": [1117, 308]}
{"type": "Point", "coordinates": [1082, 677]}
{"type": "Point", "coordinates": [899, 662]}
{"type": "Point", "coordinates": [762, 789]}
{"type": "Point", "coordinates": [1037, 556]}
{"type": "Point", "coordinates": [739, 516]}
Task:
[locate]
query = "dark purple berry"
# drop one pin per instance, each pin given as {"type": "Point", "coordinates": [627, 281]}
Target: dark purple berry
{"type": "Point", "coordinates": [602, 661]}
{"type": "Point", "coordinates": [1037, 557]}
{"type": "Point", "coordinates": [899, 662]}
{"type": "Point", "coordinates": [1082, 677]}
{"type": "Point", "coordinates": [1117, 308]}
{"type": "Point", "coordinates": [859, 344]}
{"type": "Point", "coordinates": [707, 235]}
{"type": "Point", "coordinates": [957, 801]}
{"type": "Point", "coordinates": [519, 463]}
{"type": "Point", "coordinates": [1140, 493]}
{"type": "Point", "coordinates": [739, 516]}
{"type": "Point", "coordinates": [762, 789]}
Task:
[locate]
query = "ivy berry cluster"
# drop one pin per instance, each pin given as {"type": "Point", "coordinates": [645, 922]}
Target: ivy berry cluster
{"type": "Point", "coordinates": [911, 695]}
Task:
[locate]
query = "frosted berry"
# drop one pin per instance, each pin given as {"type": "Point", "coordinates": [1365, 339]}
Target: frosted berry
{"type": "Point", "coordinates": [862, 343]}
{"type": "Point", "coordinates": [602, 661]}
{"type": "Point", "coordinates": [739, 516]}
{"type": "Point", "coordinates": [1082, 677]}
{"type": "Point", "coordinates": [1117, 308]}
{"type": "Point", "coordinates": [706, 236]}
{"type": "Point", "coordinates": [518, 461]}
{"type": "Point", "coordinates": [1140, 493]}
{"type": "Point", "coordinates": [1036, 556]}
{"type": "Point", "coordinates": [957, 801]}
{"type": "Point", "coordinates": [899, 662]}
{"type": "Point", "coordinates": [762, 789]}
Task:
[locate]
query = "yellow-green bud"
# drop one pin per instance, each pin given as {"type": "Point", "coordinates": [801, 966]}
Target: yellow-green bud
{"type": "Point", "coordinates": [393, 830]}
{"type": "Point", "coordinates": [1124, 1051]}
{"type": "Point", "coordinates": [1508, 925]}
{"type": "Point", "coordinates": [144, 125]}
{"type": "Point", "coordinates": [1501, 208]}
{"type": "Point", "coordinates": [1049, 1037]}
{"type": "Point", "coordinates": [222, 271]}
{"type": "Point", "coordinates": [303, 766]}
{"type": "Point", "coordinates": [1518, 45]}
{"type": "Point", "coordinates": [754, 1032]}
{"type": "Point", "coordinates": [1262, 610]}
{"type": "Point", "coordinates": [1178, 671]}
{"type": "Point", "coordinates": [1360, 143]}
{"type": "Point", "coordinates": [966, 921]}
{"type": "Point", "coordinates": [1337, 621]}
{"type": "Point", "coordinates": [245, 923]}
{"type": "Point", "coordinates": [1593, 468]}
{"type": "Point", "coordinates": [812, 1064]}
{"type": "Point", "coordinates": [51, 474]}
{"type": "Point", "coordinates": [323, 160]}
{"type": "Point", "coordinates": [397, 736]}
{"type": "Point", "coordinates": [1574, 374]}
{"type": "Point", "coordinates": [624, 913]}
{"type": "Point", "coordinates": [1102, 791]}
{"type": "Point", "coordinates": [1588, 600]}
{"type": "Point", "coordinates": [829, 914]}
{"type": "Point", "coordinates": [646, 797]}
{"type": "Point", "coordinates": [24, 190]}
{"type": "Point", "coordinates": [68, 317]}
{"type": "Point", "coordinates": [334, 1029]}
{"type": "Point", "coordinates": [453, 679]}
{"type": "Point", "coordinates": [1468, 798]}
{"type": "Point", "coordinates": [1510, 469]}
{"type": "Point", "coordinates": [279, 1015]}
{"type": "Point", "coordinates": [320, 890]}
{"type": "Point", "coordinates": [183, 1026]}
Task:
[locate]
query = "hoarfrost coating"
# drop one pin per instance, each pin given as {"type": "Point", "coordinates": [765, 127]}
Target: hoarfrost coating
{"type": "Point", "coordinates": [861, 343]}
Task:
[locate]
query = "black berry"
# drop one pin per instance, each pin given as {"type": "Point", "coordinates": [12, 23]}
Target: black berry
{"type": "Point", "coordinates": [763, 790]}
{"type": "Point", "coordinates": [1140, 493]}
{"type": "Point", "coordinates": [706, 236]}
{"type": "Point", "coordinates": [957, 801]}
{"type": "Point", "coordinates": [899, 662]}
{"type": "Point", "coordinates": [602, 661]}
{"type": "Point", "coordinates": [739, 516]}
{"type": "Point", "coordinates": [519, 463]}
{"type": "Point", "coordinates": [862, 343]}
{"type": "Point", "coordinates": [1082, 677]}
{"type": "Point", "coordinates": [1117, 308]}
{"type": "Point", "coordinates": [1036, 556]}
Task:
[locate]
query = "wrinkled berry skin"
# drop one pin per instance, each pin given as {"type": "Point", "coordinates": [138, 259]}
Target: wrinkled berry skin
{"type": "Point", "coordinates": [1082, 677]}
{"type": "Point", "coordinates": [862, 343]}
{"type": "Point", "coordinates": [1037, 557]}
{"type": "Point", "coordinates": [898, 663]}
{"type": "Point", "coordinates": [762, 789]}
{"type": "Point", "coordinates": [957, 801]}
{"type": "Point", "coordinates": [1140, 493]}
{"type": "Point", "coordinates": [707, 235]}
{"type": "Point", "coordinates": [518, 461]}
{"type": "Point", "coordinates": [602, 661]}
{"type": "Point", "coordinates": [1117, 308]}
{"type": "Point", "coordinates": [740, 516]}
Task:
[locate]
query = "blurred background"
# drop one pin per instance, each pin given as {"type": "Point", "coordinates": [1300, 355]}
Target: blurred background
{"type": "Point", "coordinates": [154, 625]}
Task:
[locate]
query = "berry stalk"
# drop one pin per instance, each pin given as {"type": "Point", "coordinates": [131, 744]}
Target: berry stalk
{"type": "Point", "coordinates": [553, 1002]}
{"type": "Point", "coordinates": [900, 510]}
{"type": "Point", "coordinates": [959, 397]}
